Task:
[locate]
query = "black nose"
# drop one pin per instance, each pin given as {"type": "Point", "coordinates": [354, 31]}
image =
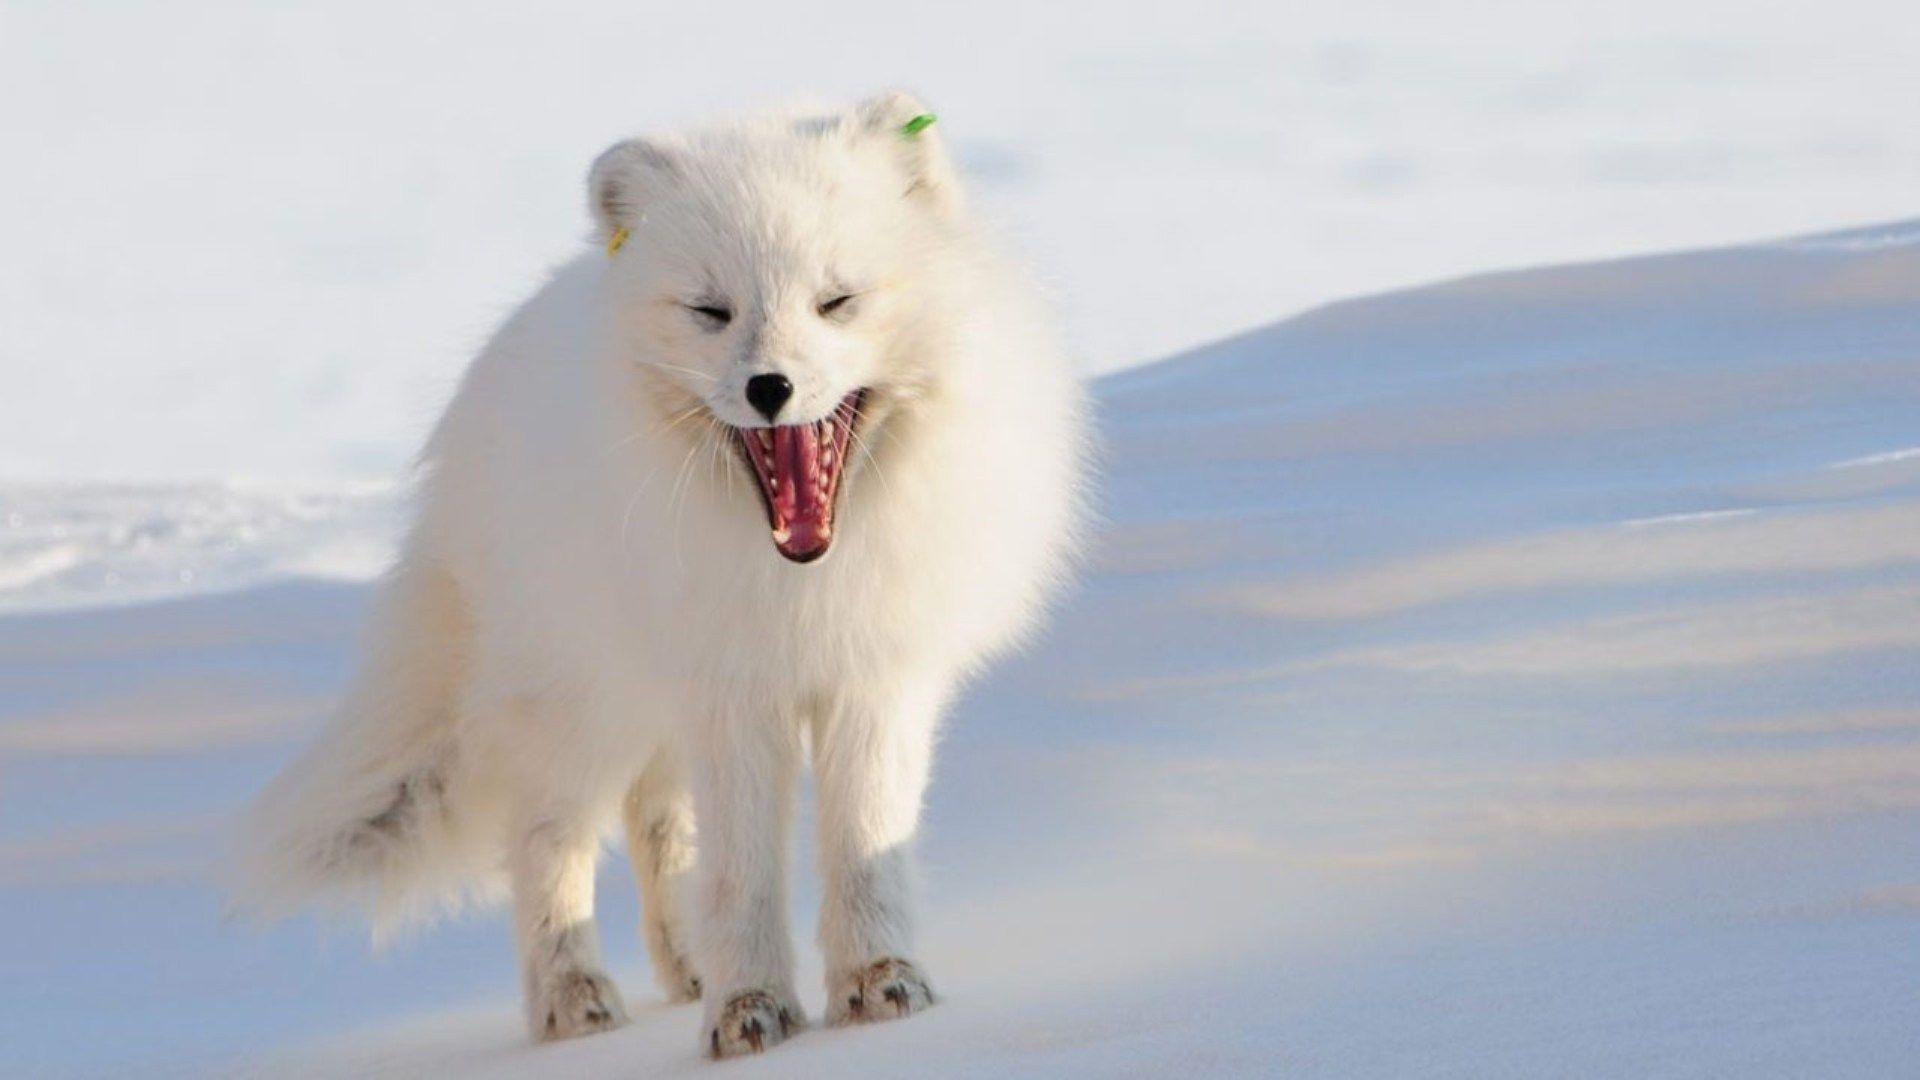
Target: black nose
{"type": "Point", "coordinates": [766, 393]}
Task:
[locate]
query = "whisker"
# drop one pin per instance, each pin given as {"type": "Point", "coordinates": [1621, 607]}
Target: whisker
{"type": "Point", "coordinates": [678, 368]}
{"type": "Point", "coordinates": [853, 435]}
{"type": "Point", "coordinates": [713, 447]}
{"type": "Point", "coordinates": [626, 517]}
{"type": "Point", "coordinates": [683, 416]}
{"type": "Point", "coordinates": [723, 443]}
{"type": "Point", "coordinates": [676, 505]}
{"type": "Point", "coordinates": [731, 438]}
{"type": "Point", "coordinates": [671, 422]}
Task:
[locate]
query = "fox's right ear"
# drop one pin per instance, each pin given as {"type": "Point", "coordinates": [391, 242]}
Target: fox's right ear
{"type": "Point", "coordinates": [905, 126]}
{"type": "Point", "coordinates": [620, 182]}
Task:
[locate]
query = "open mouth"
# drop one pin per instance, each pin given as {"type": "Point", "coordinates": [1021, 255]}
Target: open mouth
{"type": "Point", "coordinates": [799, 467]}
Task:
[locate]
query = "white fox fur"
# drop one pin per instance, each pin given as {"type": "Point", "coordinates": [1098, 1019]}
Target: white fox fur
{"type": "Point", "coordinates": [589, 622]}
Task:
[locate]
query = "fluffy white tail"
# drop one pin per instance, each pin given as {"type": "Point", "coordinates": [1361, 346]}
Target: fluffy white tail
{"type": "Point", "coordinates": [366, 816]}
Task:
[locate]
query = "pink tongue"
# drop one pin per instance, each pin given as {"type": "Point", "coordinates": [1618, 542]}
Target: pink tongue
{"type": "Point", "coordinates": [801, 499]}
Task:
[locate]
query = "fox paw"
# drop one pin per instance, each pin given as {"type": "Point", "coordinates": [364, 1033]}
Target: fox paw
{"type": "Point", "coordinates": [574, 1003]}
{"type": "Point", "coordinates": [751, 1021]}
{"type": "Point", "coordinates": [887, 989]}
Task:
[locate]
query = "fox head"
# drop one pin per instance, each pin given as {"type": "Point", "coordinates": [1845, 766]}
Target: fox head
{"type": "Point", "coordinates": [773, 283]}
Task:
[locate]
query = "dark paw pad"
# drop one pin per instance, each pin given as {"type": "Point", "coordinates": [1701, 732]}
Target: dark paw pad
{"type": "Point", "coordinates": [579, 1003]}
{"type": "Point", "coordinates": [886, 989]}
{"type": "Point", "coordinates": [750, 1022]}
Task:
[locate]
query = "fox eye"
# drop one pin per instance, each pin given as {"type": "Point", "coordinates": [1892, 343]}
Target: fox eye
{"type": "Point", "coordinates": [839, 307]}
{"type": "Point", "coordinates": [713, 315]}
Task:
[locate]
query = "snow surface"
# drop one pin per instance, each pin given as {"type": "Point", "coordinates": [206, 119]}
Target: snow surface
{"type": "Point", "coordinates": [1510, 677]}
{"type": "Point", "coordinates": [258, 241]}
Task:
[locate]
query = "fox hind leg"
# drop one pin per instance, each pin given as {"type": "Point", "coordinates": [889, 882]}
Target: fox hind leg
{"type": "Point", "coordinates": [658, 814]}
{"type": "Point", "coordinates": [568, 992]}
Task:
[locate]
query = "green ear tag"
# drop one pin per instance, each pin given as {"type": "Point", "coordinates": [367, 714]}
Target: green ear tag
{"type": "Point", "coordinates": [917, 125]}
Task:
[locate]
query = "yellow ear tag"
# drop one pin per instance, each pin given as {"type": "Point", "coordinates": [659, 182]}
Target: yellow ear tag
{"type": "Point", "coordinates": [618, 239]}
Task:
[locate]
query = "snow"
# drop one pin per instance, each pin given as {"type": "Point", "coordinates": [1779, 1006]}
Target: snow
{"type": "Point", "coordinates": [73, 546]}
{"type": "Point", "coordinates": [258, 241]}
{"type": "Point", "coordinates": [1513, 676]}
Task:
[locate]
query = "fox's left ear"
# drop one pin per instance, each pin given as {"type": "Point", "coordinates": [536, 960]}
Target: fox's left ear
{"type": "Point", "coordinates": [622, 181]}
{"type": "Point", "coordinates": [907, 127]}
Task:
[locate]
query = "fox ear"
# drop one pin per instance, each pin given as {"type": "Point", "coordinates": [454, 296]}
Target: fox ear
{"type": "Point", "coordinates": [620, 182]}
{"type": "Point", "coordinates": [907, 127]}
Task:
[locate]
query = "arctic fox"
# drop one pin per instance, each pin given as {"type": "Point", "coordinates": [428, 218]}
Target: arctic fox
{"type": "Point", "coordinates": [768, 471]}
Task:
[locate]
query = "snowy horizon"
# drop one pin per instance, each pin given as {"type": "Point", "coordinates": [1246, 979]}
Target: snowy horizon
{"type": "Point", "coordinates": [72, 546]}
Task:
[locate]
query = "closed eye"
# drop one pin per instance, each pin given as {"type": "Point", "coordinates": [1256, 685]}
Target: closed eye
{"type": "Point", "coordinates": [715, 314]}
{"type": "Point", "coordinates": [840, 306]}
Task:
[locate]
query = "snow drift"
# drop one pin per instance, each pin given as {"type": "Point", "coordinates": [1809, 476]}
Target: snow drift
{"type": "Point", "coordinates": [1515, 676]}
